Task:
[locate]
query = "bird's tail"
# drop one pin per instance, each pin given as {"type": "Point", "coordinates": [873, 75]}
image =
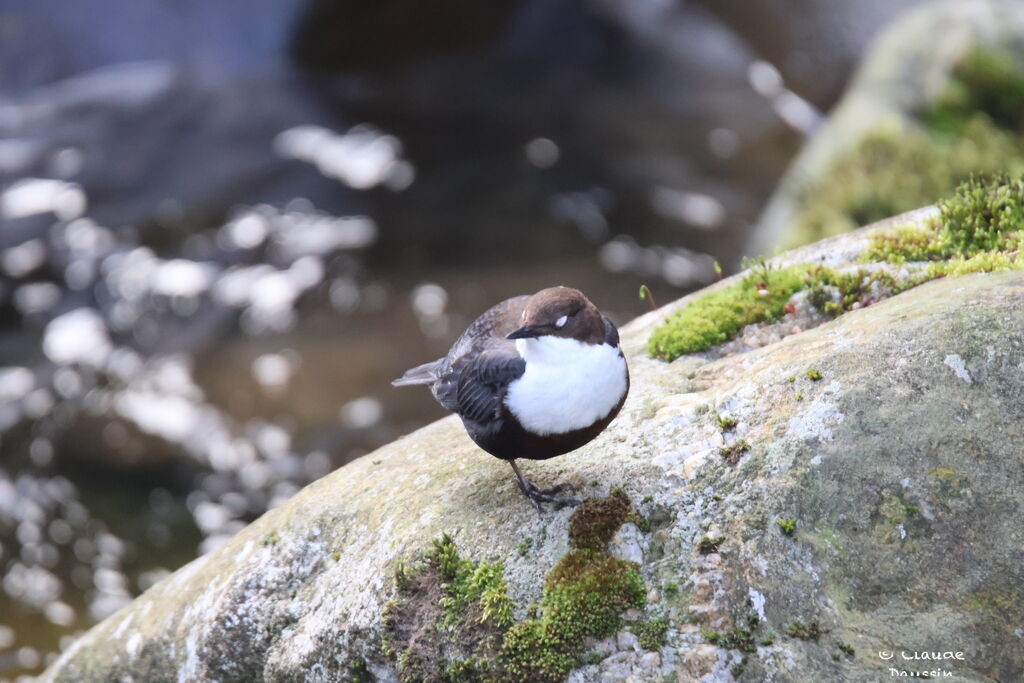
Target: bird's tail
{"type": "Point", "coordinates": [421, 374]}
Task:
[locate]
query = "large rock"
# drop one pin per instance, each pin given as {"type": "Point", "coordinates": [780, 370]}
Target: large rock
{"type": "Point", "coordinates": [905, 72]}
{"type": "Point", "coordinates": [900, 469]}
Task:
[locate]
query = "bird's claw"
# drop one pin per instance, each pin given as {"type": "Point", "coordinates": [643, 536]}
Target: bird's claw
{"type": "Point", "coordinates": [538, 496]}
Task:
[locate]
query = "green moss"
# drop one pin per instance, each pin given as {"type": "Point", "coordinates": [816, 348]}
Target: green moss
{"type": "Point", "coordinates": [707, 545]}
{"type": "Point", "coordinates": [716, 317]}
{"type": "Point", "coordinates": [356, 672]}
{"type": "Point", "coordinates": [813, 374]}
{"type": "Point", "coordinates": [643, 524]}
{"type": "Point", "coordinates": [847, 650]}
{"type": "Point", "coordinates": [739, 667]}
{"type": "Point", "coordinates": [974, 127]}
{"type": "Point", "coordinates": [734, 451]}
{"type": "Point", "coordinates": [725, 422]}
{"type": "Point", "coordinates": [995, 604]}
{"type": "Point", "coordinates": [449, 616]}
{"type": "Point", "coordinates": [740, 637]}
{"type": "Point", "coordinates": [982, 216]}
{"type": "Point", "coordinates": [895, 170]}
{"type": "Point", "coordinates": [452, 620]}
{"type": "Point", "coordinates": [652, 633]}
{"type": "Point", "coordinates": [980, 228]}
{"type": "Point", "coordinates": [596, 520]}
{"type": "Point", "coordinates": [787, 526]}
{"type": "Point", "coordinates": [809, 631]}
{"type": "Point", "coordinates": [270, 538]}
{"type": "Point", "coordinates": [584, 595]}
{"type": "Point", "coordinates": [946, 484]}
{"type": "Point", "coordinates": [525, 546]}
{"type": "Point", "coordinates": [670, 590]}
{"type": "Point", "coordinates": [988, 80]}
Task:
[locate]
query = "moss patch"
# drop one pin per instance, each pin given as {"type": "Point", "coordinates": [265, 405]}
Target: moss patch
{"type": "Point", "coordinates": [597, 519]}
{"type": "Point", "coordinates": [452, 620]}
{"type": "Point", "coordinates": [980, 228]}
{"type": "Point", "coordinates": [707, 545]}
{"type": "Point", "coordinates": [809, 631]}
{"type": "Point", "coordinates": [787, 526]}
{"type": "Point", "coordinates": [734, 451]}
{"type": "Point", "coordinates": [740, 637]}
{"type": "Point", "coordinates": [975, 126]}
{"type": "Point", "coordinates": [652, 633]}
{"type": "Point", "coordinates": [716, 317]}
{"type": "Point", "coordinates": [449, 617]}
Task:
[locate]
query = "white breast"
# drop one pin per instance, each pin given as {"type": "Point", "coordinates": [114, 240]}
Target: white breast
{"type": "Point", "coordinates": [567, 385]}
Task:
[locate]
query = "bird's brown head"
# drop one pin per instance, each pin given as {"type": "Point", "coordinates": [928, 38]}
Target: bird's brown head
{"type": "Point", "coordinates": [561, 312]}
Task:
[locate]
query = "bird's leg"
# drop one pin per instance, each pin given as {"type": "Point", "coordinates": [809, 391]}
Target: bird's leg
{"type": "Point", "coordinates": [538, 496]}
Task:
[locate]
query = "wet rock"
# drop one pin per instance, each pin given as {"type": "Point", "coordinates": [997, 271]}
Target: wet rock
{"type": "Point", "coordinates": [903, 480]}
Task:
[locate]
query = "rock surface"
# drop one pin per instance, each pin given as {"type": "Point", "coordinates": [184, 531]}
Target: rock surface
{"type": "Point", "coordinates": [899, 471]}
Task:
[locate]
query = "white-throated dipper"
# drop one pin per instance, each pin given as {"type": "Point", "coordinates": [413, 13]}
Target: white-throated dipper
{"type": "Point", "coordinates": [533, 377]}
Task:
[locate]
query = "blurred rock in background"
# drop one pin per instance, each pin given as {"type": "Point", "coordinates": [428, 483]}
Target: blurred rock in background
{"type": "Point", "coordinates": [920, 117]}
{"type": "Point", "coordinates": [226, 226]}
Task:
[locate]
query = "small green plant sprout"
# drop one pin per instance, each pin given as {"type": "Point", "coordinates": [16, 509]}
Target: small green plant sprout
{"type": "Point", "coordinates": [525, 546]}
{"type": "Point", "coordinates": [670, 589]}
{"type": "Point", "coordinates": [787, 526]}
{"type": "Point", "coordinates": [809, 631]}
{"type": "Point", "coordinates": [813, 374]}
{"type": "Point", "coordinates": [726, 422]}
{"type": "Point", "coordinates": [799, 396]}
{"type": "Point", "coordinates": [846, 649]}
{"type": "Point", "coordinates": [718, 270]}
{"type": "Point", "coordinates": [707, 545]}
{"type": "Point", "coordinates": [648, 296]}
{"type": "Point", "coordinates": [791, 379]}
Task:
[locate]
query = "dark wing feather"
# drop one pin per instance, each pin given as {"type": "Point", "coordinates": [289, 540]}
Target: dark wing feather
{"type": "Point", "coordinates": [482, 385]}
{"type": "Point", "coordinates": [481, 350]}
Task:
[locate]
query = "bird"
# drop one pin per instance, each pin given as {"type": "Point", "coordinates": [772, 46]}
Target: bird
{"type": "Point", "coordinates": [534, 377]}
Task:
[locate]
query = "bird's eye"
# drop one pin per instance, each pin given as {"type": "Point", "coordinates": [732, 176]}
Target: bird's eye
{"type": "Point", "coordinates": [561, 321]}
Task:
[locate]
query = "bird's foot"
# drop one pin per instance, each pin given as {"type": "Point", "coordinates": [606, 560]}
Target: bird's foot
{"type": "Point", "coordinates": [555, 490]}
{"type": "Point", "coordinates": [538, 496]}
{"type": "Point", "coordinates": [549, 495]}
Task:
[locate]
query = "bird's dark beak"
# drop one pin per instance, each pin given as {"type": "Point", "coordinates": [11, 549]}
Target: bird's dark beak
{"type": "Point", "coordinates": [524, 332]}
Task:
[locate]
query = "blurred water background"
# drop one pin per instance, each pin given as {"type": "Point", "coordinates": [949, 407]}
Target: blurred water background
{"type": "Point", "coordinates": [226, 226]}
